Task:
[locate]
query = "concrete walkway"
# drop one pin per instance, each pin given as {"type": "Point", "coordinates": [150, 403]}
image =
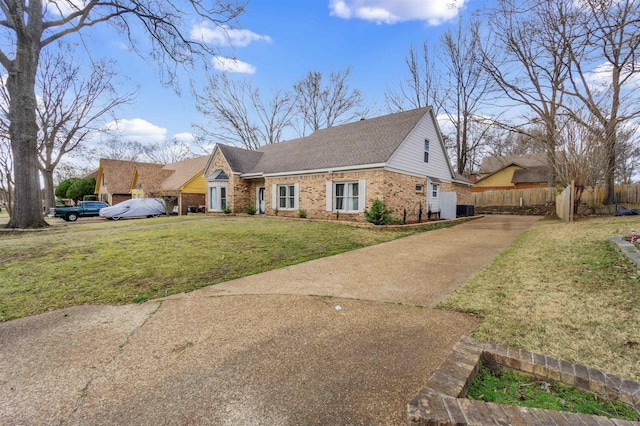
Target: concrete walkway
{"type": "Point", "coordinates": [315, 343]}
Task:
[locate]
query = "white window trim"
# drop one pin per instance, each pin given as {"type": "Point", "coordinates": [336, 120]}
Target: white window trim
{"type": "Point", "coordinates": [434, 188]}
{"type": "Point", "coordinates": [331, 199]}
{"type": "Point", "coordinates": [275, 196]}
{"type": "Point", "coordinates": [218, 186]}
{"type": "Point", "coordinates": [426, 151]}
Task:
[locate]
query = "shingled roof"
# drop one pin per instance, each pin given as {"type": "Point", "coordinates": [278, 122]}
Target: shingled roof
{"type": "Point", "coordinates": [182, 172]}
{"type": "Point", "coordinates": [150, 176]}
{"type": "Point", "coordinates": [240, 160]}
{"type": "Point", "coordinates": [368, 141]}
{"type": "Point", "coordinates": [118, 174]}
{"type": "Point", "coordinates": [535, 174]}
{"type": "Point", "coordinates": [493, 164]}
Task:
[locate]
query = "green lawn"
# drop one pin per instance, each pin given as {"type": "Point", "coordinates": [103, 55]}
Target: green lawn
{"type": "Point", "coordinates": [564, 291]}
{"type": "Point", "coordinates": [128, 261]}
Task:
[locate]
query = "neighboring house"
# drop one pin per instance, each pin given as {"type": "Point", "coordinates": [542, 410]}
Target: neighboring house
{"type": "Point", "coordinates": [179, 184]}
{"type": "Point", "coordinates": [513, 172]}
{"type": "Point", "coordinates": [337, 172]}
{"type": "Point", "coordinates": [113, 182]}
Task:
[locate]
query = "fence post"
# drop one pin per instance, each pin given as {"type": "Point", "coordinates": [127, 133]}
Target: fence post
{"type": "Point", "coordinates": [572, 199]}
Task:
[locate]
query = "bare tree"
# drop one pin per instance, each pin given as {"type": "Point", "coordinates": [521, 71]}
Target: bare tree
{"type": "Point", "coordinates": [628, 153]}
{"type": "Point", "coordinates": [578, 158]}
{"type": "Point", "coordinates": [71, 107]}
{"type": "Point", "coordinates": [121, 150]}
{"type": "Point", "coordinates": [168, 151]}
{"type": "Point", "coordinates": [468, 87]}
{"type": "Point", "coordinates": [420, 88]}
{"type": "Point", "coordinates": [31, 25]}
{"type": "Point", "coordinates": [320, 105]}
{"type": "Point", "coordinates": [526, 57]}
{"type": "Point", "coordinates": [239, 114]}
{"type": "Point", "coordinates": [605, 73]}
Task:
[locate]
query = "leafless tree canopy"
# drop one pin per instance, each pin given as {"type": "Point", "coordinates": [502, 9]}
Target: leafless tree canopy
{"type": "Point", "coordinates": [420, 88]}
{"type": "Point", "coordinates": [31, 25]}
{"type": "Point", "coordinates": [571, 59]}
{"type": "Point", "coordinates": [321, 103]}
{"type": "Point", "coordinates": [460, 92]}
{"type": "Point", "coordinates": [239, 115]}
{"type": "Point", "coordinates": [169, 151]}
{"type": "Point", "coordinates": [71, 107]}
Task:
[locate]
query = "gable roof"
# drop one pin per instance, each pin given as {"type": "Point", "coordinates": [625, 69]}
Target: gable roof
{"type": "Point", "coordinates": [491, 165]}
{"type": "Point", "coordinates": [182, 172]}
{"type": "Point", "coordinates": [117, 174]}
{"type": "Point", "coordinates": [365, 142]}
{"type": "Point", "coordinates": [149, 176]}
{"type": "Point", "coordinates": [240, 160]}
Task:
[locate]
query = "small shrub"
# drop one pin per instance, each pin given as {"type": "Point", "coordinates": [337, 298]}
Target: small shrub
{"type": "Point", "coordinates": [276, 211]}
{"type": "Point", "coordinates": [226, 210]}
{"type": "Point", "coordinates": [249, 209]}
{"type": "Point", "coordinates": [404, 216]}
{"type": "Point", "coordinates": [379, 214]}
{"type": "Point", "coordinates": [420, 213]}
{"type": "Point", "coordinates": [302, 214]}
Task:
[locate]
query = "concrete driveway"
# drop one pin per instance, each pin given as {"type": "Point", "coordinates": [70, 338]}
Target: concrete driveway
{"type": "Point", "coordinates": [343, 340]}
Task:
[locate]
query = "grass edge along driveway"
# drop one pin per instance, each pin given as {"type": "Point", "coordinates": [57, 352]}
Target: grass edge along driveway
{"type": "Point", "coordinates": [131, 261]}
{"type": "Point", "coordinates": [561, 290]}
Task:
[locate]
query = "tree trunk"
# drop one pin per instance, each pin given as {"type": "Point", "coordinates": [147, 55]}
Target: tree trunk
{"type": "Point", "coordinates": [610, 171]}
{"type": "Point", "coordinates": [23, 131]}
{"type": "Point", "coordinates": [49, 196]}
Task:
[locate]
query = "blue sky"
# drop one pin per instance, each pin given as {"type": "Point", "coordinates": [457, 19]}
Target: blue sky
{"type": "Point", "coordinates": [279, 41]}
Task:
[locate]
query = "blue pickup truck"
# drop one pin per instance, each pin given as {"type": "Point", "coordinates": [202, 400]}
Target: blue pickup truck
{"type": "Point", "coordinates": [84, 209]}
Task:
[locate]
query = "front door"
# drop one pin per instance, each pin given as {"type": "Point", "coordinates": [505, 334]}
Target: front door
{"type": "Point", "coordinates": [260, 200]}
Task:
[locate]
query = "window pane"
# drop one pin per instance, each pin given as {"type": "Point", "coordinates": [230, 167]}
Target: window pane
{"type": "Point", "coordinates": [339, 189]}
{"type": "Point", "coordinates": [283, 191]}
{"type": "Point", "coordinates": [355, 203]}
{"type": "Point", "coordinates": [213, 198]}
{"type": "Point", "coordinates": [339, 203]}
{"type": "Point", "coordinates": [354, 189]}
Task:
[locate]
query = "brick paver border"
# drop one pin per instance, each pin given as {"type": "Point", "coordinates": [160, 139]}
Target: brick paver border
{"type": "Point", "coordinates": [443, 402]}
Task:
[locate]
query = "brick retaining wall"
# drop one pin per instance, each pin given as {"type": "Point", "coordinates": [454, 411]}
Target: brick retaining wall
{"type": "Point", "coordinates": [443, 401]}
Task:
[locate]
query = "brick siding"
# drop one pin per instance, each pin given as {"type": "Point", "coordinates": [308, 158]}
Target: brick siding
{"type": "Point", "coordinates": [396, 190]}
{"type": "Point", "coordinates": [191, 200]}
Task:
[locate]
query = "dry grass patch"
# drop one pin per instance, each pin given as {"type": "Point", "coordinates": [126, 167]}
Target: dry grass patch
{"type": "Point", "coordinates": [564, 291]}
{"type": "Point", "coordinates": [135, 260]}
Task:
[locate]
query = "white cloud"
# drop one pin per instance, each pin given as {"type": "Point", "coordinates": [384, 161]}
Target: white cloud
{"type": "Point", "coordinates": [136, 129]}
{"type": "Point", "coordinates": [185, 137]}
{"type": "Point", "coordinates": [224, 36]}
{"type": "Point", "coordinates": [64, 7]}
{"type": "Point", "coordinates": [222, 63]}
{"type": "Point", "coordinates": [433, 12]}
{"type": "Point", "coordinates": [445, 123]}
{"type": "Point", "coordinates": [600, 78]}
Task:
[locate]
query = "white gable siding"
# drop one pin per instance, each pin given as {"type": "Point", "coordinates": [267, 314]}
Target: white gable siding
{"type": "Point", "coordinates": [409, 157]}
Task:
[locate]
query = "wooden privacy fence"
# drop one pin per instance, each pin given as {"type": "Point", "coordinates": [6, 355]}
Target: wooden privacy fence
{"type": "Point", "coordinates": [591, 197]}
{"type": "Point", "coordinates": [515, 197]}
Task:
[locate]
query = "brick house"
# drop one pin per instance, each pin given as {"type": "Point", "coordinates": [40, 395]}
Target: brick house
{"type": "Point", "coordinates": [337, 172]}
{"type": "Point", "coordinates": [179, 184]}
